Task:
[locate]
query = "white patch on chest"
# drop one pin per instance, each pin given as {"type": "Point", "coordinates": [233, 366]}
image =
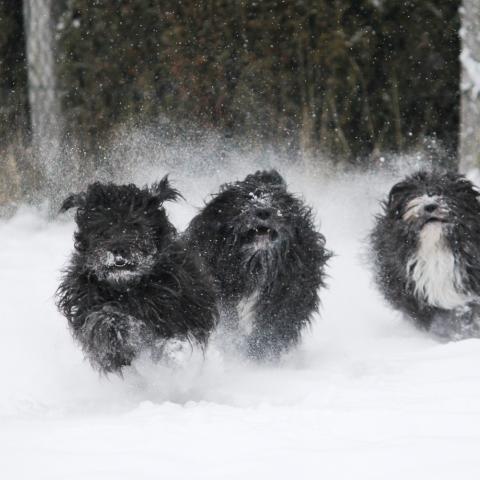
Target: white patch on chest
{"type": "Point", "coordinates": [437, 279]}
{"type": "Point", "coordinates": [246, 313]}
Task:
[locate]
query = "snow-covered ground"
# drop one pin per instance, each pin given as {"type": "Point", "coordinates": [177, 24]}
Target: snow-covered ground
{"type": "Point", "coordinates": [366, 396]}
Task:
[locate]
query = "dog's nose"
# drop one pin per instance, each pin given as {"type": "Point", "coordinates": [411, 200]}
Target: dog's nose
{"type": "Point", "coordinates": [430, 208]}
{"type": "Point", "coordinates": [263, 213]}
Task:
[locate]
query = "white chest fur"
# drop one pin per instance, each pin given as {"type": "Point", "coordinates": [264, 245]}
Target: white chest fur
{"type": "Point", "coordinates": [432, 269]}
{"type": "Point", "coordinates": [246, 313]}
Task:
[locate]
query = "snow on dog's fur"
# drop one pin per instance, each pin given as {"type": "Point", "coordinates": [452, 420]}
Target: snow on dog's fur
{"type": "Point", "coordinates": [131, 284]}
{"type": "Point", "coordinates": [426, 249]}
{"type": "Point", "coordinates": [259, 244]}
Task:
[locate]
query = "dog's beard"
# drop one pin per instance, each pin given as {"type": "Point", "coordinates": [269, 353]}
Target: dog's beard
{"type": "Point", "coordinates": [261, 251]}
{"type": "Point", "coordinates": [123, 272]}
{"type": "Point", "coordinates": [434, 272]}
{"type": "Point", "coordinates": [258, 260]}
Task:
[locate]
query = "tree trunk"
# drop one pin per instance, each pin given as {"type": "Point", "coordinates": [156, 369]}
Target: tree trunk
{"type": "Point", "coordinates": [470, 86]}
{"type": "Point", "coordinates": [42, 87]}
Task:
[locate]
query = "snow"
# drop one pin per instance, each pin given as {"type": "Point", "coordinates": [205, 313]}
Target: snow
{"type": "Point", "coordinates": [471, 68]}
{"type": "Point", "coordinates": [365, 396]}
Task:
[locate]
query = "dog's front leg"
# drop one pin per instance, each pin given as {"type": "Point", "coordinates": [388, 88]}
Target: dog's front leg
{"type": "Point", "coordinates": [111, 338]}
{"type": "Point", "coordinates": [228, 329]}
{"type": "Point", "coordinates": [276, 329]}
{"type": "Point", "coordinates": [229, 317]}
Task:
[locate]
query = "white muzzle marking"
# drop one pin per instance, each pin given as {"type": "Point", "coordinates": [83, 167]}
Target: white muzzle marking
{"type": "Point", "coordinates": [415, 208]}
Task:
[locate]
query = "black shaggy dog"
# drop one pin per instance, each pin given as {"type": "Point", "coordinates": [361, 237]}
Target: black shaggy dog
{"type": "Point", "coordinates": [259, 244]}
{"type": "Point", "coordinates": [131, 284]}
{"type": "Point", "coordinates": [426, 248]}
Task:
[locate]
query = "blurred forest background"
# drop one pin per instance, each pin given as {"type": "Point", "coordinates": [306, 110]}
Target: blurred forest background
{"type": "Point", "coordinates": [348, 80]}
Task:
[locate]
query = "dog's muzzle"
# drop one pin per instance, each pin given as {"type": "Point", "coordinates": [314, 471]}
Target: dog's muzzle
{"type": "Point", "coordinates": [118, 267]}
{"type": "Point", "coordinates": [435, 216]}
{"type": "Point", "coordinates": [117, 261]}
{"type": "Point", "coordinates": [426, 210]}
{"type": "Point", "coordinates": [262, 232]}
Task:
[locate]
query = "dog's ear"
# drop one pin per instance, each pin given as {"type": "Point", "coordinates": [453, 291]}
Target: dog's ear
{"type": "Point", "coordinates": [74, 200]}
{"type": "Point", "coordinates": [468, 187]}
{"type": "Point", "coordinates": [463, 183]}
{"type": "Point", "coordinates": [164, 191]}
{"type": "Point", "coordinates": [397, 196]}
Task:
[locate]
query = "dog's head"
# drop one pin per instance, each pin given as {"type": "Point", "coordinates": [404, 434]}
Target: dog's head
{"type": "Point", "coordinates": [253, 221]}
{"type": "Point", "coordinates": [121, 229]}
{"type": "Point", "coordinates": [424, 199]}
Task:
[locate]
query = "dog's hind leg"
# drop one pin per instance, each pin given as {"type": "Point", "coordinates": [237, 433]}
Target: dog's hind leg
{"type": "Point", "coordinates": [111, 339]}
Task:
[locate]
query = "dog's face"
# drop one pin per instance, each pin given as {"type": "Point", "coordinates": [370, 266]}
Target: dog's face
{"type": "Point", "coordinates": [447, 201]}
{"type": "Point", "coordinates": [255, 219]}
{"type": "Point", "coordinates": [121, 229]}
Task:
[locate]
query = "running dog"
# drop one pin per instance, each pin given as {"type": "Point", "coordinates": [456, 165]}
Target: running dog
{"type": "Point", "coordinates": [426, 250]}
{"type": "Point", "coordinates": [258, 243]}
{"type": "Point", "coordinates": [131, 284]}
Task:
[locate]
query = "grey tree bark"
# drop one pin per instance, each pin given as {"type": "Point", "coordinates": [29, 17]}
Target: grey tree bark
{"type": "Point", "coordinates": [42, 86]}
{"type": "Point", "coordinates": [469, 150]}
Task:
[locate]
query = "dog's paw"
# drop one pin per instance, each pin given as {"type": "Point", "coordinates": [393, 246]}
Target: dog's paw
{"type": "Point", "coordinates": [112, 339]}
{"type": "Point", "coordinates": [172, 353]}
{"type": "Point", "coordinates": [176, 352]}
{"type": "Point", "coordinates": [458, 324]}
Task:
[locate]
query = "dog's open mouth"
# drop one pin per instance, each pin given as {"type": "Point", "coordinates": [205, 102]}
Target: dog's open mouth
{"type": "Point", "coordinates": [262, 234]}
{"type": "Point", "coordinates": [434, 219]}
{"type": "Point", "coordinates": [122, 265]}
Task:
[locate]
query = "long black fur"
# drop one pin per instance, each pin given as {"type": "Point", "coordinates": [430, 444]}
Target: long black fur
{"type": "Point", "coordinates": [394, 240]}
{"type": "Point", "coordinates": [285, 276]}
{"type": "Point", "coordinates": [155, 293]}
